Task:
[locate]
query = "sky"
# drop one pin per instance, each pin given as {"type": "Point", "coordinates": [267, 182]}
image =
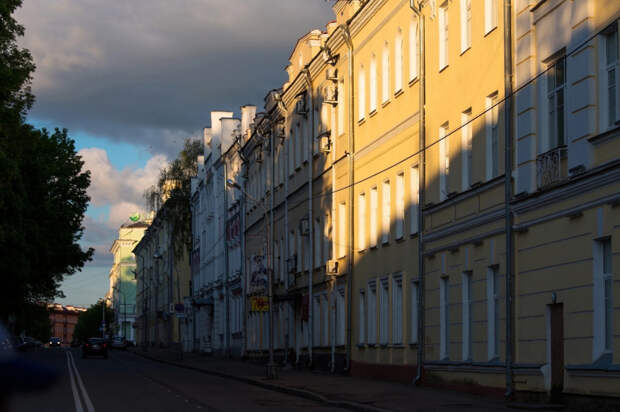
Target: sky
{"type": "Point", "coordinates": [131, 80]}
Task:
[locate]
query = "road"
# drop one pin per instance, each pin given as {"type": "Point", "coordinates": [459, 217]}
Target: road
{"type": "Point", "coordinates": [127, 382]}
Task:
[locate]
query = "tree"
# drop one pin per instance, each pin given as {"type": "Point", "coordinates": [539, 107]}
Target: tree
{"type": "Point", "coordinates": [89, 322]}
{"type": "Point", "coordinates": [42, 191]}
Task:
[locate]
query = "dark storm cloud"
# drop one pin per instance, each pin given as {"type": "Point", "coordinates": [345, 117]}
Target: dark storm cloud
{"type": "Point", "coordinates": [149, 71]}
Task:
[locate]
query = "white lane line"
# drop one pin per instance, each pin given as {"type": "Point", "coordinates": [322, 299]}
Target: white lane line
{"type": "Point", "coordinates": [76, 396]}
{"type": "Point", "coordinates": [87, 401]}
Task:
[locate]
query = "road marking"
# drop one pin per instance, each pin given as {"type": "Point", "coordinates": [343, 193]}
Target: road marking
{"type": "Point", "coordinates": [87, 401]}
{"type": "Point", "coordinates": [76, 396]}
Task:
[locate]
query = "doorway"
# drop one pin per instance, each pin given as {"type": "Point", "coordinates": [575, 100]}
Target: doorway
{"type": "Point", "coordinates": [556, 318]}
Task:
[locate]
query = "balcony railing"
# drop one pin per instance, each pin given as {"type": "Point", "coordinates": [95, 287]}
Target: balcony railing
{"type": "Point", "coordinates": [551, 167]}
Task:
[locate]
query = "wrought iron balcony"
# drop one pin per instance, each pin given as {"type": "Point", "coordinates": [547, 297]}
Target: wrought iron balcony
{"type": "Point", "coordinates": [551, 167]}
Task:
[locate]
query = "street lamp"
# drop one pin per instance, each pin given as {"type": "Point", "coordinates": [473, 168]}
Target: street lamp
{"type": "Point", "coordinates": [272, 372]}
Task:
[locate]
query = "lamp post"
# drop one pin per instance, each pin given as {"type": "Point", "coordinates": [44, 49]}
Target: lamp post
{"type": "Point", "coordinates": [271, 367]}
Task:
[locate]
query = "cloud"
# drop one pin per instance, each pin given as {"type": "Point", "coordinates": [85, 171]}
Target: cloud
{"type": "Point", "coordinates": [149, 71]}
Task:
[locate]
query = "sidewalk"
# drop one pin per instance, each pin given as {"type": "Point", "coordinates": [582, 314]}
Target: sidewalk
{"type": "Point", "coordinates": [332, 390]}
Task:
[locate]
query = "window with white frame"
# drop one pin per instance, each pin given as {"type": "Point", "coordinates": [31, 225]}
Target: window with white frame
{"type": "Point", "coordinates": [556, 82]}
{"type": "Point", "coordinates": [397, 309]}
{"type": "Point", "coordinates": [327, 238]}
{"type": "Point", "coordinates": [466, 150]}
{"type": "Point", "coordinates": [386, 208]}
{"type": "Point", "coordinates": [492, 136]}
{"type": "Point", "coordinates": [384, 317]}
{"type": "Point", "coordinates": [414, 199]}
{"type": "Point", "coordinates": [372, 313]}
{"type": "Point", "coordinates": [490, 15]}
{"type": "Point", "coordinates": [443, 36]}
{"type": "Point", "coordinates": [466, 313]}
{"type": "Point", "coordinates": [361, 91]}
{"type": "Point", "coordinates": [385, 74]}
{"type": "Point", "coordinates": [362, 318]}
{"type": "Point", "coordinates": [342, 226]}
{"type": "Point", "coordinates": [492, 312]}
{"type": "Point", "coordinates": [603, 298]}
{"type": "Point", "coordinates": [444, 162]}
{"type": "Point", "coordinates": [373, 84]}
{"type": "Point", "coordinates": [444, 317]}
{"type": "Point", "coordinates": [340, 107]}
{"type": "Point", "coordinates": [374, 211]}
{"type": "Point", "coordinates": [413, 310]}
{"type": "Point", "coordinates": [340, 319]}
{"type": "Point", "coordinates": [398, 61]}
{"type": "Point", "coordinates": [318, 240]}
{"type": "Point", "coordinates": [465, 25]}
{"type": "Point", "coordinates": [400, 206]}
{"type": "Point", "coordinates": [413, 49]}
{"type": "Point", "coordinates": [361, 222]}
{"type": "Point", "coordinates": [324, 320]}
{"type": "Point", "coordinates": [611, 75]}
{"type": "Point", "coordinates": [316, 321]}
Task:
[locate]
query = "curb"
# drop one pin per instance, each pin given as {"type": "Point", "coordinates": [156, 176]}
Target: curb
{"type": "Point", "coordinates": [302, 393]}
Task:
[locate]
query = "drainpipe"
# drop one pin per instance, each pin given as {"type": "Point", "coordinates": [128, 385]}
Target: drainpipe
{"type": "Point", "coordinates": [417, 9]}
{"type": "Point", "coordinates": [283, 109]}
{"type": "Point", "coordinates": [508, 195]}
{"type": "Point", "coordinates": [351, 133]}
{"type": "Point", "coordinates": [308, 79]}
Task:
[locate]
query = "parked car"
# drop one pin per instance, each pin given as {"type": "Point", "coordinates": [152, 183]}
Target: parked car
{"type": "Point", "coordinates": [118, 342]}
{"type": "Point", "coordinates": [95, 346]}
{"type": "Point", "coordinates": [55, 342]}
{"type": "Point", "coordinates": [28, 344]}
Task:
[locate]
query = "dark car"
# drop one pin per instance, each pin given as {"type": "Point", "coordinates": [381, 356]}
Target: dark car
{"type": "Point", "coordinates": [119, 342]}
{"type": "Point", "coordinates": [55, 342]}
{"type": "Point", "coordinates": [28, 344]}
{"type": "Point", "coordinates": [95, 346]}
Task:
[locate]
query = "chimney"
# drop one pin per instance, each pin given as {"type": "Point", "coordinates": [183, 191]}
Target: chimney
{"type": "Point", "coordinates": [216, 127]}
{"type": "Point", "coordinates": [247, 116]}
{"type": "Point", "coordinates": [229, 131]}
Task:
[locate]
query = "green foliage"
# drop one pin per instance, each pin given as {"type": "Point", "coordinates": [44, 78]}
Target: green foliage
{"type": "Point", "coordinates": [34, 321]}
{"type": "Point", "coordinates": [89, 322]}
{"type": "Point", "coordinates": [42, 191]}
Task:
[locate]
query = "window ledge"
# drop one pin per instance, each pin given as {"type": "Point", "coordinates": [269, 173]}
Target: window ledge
{"type": "Point", "coordinates": [606, 135]}
{"type": "Point", "coordinates": [465, 50]}
{"type": "Point", "coordinates": [361, 251]}
{"type": "Point", "coordinates": [372, 113]}
{"type": "Point", "coordinates": [361, 121]}
{"type": "Point", "coordinates": [373, 247]}
{"type": "Point", "coordinates": [385, 103]}
{"type": "Point", "coordinates": [383, 345]}
{"type": "Point", "coordinates": [413, 81]}
{"type": "Point", "coordinates": [444, 68]}
{"type": "Point", "coordinates": [398, 92]}
{"type": "Point", "coordinates": [490, 31]}
{"type": "Point", "coordinates": [400, 239]}
{"type": "Point", "coordinates": [385, 242]}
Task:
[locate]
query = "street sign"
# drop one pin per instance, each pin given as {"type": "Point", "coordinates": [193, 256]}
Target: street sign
{"type": "Point", "coordinates": [259, 303]}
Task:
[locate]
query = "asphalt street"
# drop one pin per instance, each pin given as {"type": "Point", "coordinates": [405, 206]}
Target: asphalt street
{"type": "Point", "coordinates": [126, 382]}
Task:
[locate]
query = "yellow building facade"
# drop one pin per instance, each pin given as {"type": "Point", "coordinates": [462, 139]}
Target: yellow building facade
{"type": "Point", "coordinates": [438, 186]}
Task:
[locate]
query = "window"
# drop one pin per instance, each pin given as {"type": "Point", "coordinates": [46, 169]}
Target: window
{"type": "Point", "coordinates": [385, 212]}
{"type": "Point", "coordinates": [413, 50]}
{"type": "Point", "coordinates": [492, 136]}
{"type": "Point", "coordinates": [465, 25]}
{"type": "Point", "coordinates": [361, 89]}
{"type": "Point", "coordinates": [444, 162]}
{"type": "Point", "coordinates": [374, 210]}
{"type": "Point", "coordinates": [340, 320]}
{"type": "Point", "coordinates": [400, 205]}
{"type": "Point", "coordinates": [298, 145]}
{"type": "Point", "coordinates": [443, 36]}
{"type": "Point", "coordinates": [373, 84]}
{"type": "Point", "coordinates": [443, 318]}
{"type": "Point", "coordinates": [361, 222]}
{"type": "Point", "coordinates": [305, 147]}
{"type": "Point", "coordinates": [466, 312]}
{"type": "Point", "coordinates": [316, 321]}
{"type": "Point", "coordinates": [490, 15]}
{"type": "Point", "coordinates": [290, 148]}
{"type": "Point", "coordinates": [340, 108]}
{"type": "Point", "coordinates": [492, 313]}
{"type": "Point", "coordinates": [413, 310]}
{"type": "Point", "coordinates": [385, 74]}
{"type": "Point", "coordinates": [611, 68]}
{"type": "Point", "coordinates": [342, 234]}
{"type": "Point", "coordinates": [282, 259]}
{"type": "Point", "coordinates": [556, 79]}
{"type": "Point", "coordinates": [318, 239]}
{"type": "Point", "coordinates": [324, 320]}
{"type": "Point", "coordinates": [372, 312]}
{"type": "Point", "coordinates": [414, 194]}
{"type": "Point", "coordinates": [307, 257]}
{"type": "Point", "coordinates": [397, 309]}
{"type": "Point", "coordinates": [384, 318]}
{"type": "Point", "coordinates": [398, 61]}
{"type": "Point", "coordinates": [362, 320]}
{"type": "Point", "coordinates": [466, 150]}
{"type": "Point", "coordinates": [291, 249]}
{"type": "Point", "coordinates": [327, 238]}
{"type": "Point", "coordinates": [300, 250]}
{"type": "Point", "coordinates": [276, 258]}
{"type": "Point", "coordinates": [603, 298]}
